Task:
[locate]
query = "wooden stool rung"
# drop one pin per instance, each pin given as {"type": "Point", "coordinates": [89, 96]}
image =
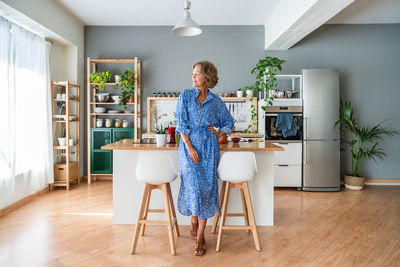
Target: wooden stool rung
{"type": "Point", "coordinates": [237, 227]}
{"type": "Point", "coordinates": [153, 222]}
{"type": "Point", "coordinates": [157, 210]}
{"type": "Point", "coordinates": [236, 214]}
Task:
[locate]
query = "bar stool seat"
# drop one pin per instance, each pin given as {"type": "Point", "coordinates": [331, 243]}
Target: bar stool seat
{"type": "Point", "coordinates": [156, 177]}
{"type": "Point", "coordinates": [235, 170]}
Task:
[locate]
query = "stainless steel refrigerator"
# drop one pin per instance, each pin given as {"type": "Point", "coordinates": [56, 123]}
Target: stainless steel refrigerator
{"type": "Point", "coordinates": [321, 147]}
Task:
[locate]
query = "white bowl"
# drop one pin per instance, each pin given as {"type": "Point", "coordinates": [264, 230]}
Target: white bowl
{"type": "Point", "coordinates": [100, 110]}
{"type": "Point", "coordinates": [115, 98]}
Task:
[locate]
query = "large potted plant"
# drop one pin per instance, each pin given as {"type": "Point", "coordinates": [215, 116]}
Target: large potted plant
{"type": "Point", "coordinates": [266, 80]}
{"type": "Point", "coordinates": [126, 82]}
{"type": "Point", "coordinates": [363, 143]}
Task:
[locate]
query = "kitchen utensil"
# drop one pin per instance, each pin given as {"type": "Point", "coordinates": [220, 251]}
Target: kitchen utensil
{"type": "Point", "coordinates": [103, 97]}
{"type": "Point", "coordinates": [100, 110]}
{"type": "Point", "coordinates": [113, 111]}
{"type": "Point", "coordinates": [115, 98]}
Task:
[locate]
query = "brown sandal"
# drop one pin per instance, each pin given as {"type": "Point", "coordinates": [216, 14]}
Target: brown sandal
{"type": "Point", "coordinates": [199, 250]}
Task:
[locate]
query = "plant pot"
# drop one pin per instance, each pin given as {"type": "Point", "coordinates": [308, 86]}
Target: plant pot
{"type": "Point", "coordinates": [117, 78]}
{"type": "Point", "coordinates": [354, 182]}
{"type": "Point", "coordinates": [161, 139]}
{"type": "Point", "coordinates": [239, 93]}
{"type": "Point", "coordinates": [249, 93]}
{"type": "Point", "coordinates": [131, 99]}
{"type": "Point", "coordinates": [62, 141]}
{"type": "Point", "coordinates": [71, 142]}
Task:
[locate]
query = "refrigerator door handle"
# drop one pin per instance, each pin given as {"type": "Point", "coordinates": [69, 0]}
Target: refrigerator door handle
{"type": "Point", "coordinates": [305, 127]}
{"type": "Point", "coordinates": [305, 153]}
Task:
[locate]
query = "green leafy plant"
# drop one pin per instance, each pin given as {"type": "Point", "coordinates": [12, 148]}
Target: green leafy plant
{"type": "Point", "coordinates": [126, 83]}
{"type": "Point", "coordinates": [254, 119]}
{"type": "Point", "coordinates": [364, 140]}
{"type": "Point", "coordinates": [100, 78]}
{"type": "Point", "coordinates": [240, 89]}
{"type": "Point", "coordinates": [63, 131]}
{"type": "Point", "coordinates": [265, 70]}
{"type": "Point", "coordinates": [159, 129]}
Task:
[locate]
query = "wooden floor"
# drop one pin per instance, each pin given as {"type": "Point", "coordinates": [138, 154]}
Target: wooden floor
{"type": "Point", "coordinates": [75, 228]}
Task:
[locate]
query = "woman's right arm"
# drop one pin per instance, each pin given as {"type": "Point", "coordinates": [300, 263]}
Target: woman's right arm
{"type": "Point", "coordinates": [182, 127]}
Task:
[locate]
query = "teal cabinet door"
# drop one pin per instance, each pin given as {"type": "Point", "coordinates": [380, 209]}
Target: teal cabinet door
{"type": "Point", "coordinates": [100, 160]}
{"type": "Point", "coordinates": [122, 133]}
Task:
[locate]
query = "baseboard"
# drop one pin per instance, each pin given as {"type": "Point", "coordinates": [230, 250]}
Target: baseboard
{"type": "Point", "coordinates": [23, 201]}
{"type": "Point", "coordinates": [370, 181]}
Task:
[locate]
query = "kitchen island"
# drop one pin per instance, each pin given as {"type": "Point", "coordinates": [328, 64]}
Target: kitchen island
{"type": "Point", "coordinates": [127, 190]}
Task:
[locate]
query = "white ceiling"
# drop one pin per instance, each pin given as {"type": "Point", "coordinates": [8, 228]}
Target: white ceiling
{"type": "Point", "coordinates": [215, 12]}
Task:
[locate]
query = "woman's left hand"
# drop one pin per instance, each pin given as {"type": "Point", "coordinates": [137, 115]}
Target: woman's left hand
{"type": "Point", "coordinates": [212, 129]}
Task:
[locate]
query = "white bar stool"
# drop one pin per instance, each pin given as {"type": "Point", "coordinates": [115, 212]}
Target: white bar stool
{"type": "Point", "coordinates": [235, 170]}
{"type": "Point", "coordinates": [156, 177]}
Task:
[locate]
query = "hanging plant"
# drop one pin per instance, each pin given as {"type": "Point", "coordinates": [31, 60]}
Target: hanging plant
{"type": "Point", "coordinates": [265, 71]}
{"type": "Point", "coordinates": [253, 121]}
{"type": "Point", "coordinates": [100, 78]}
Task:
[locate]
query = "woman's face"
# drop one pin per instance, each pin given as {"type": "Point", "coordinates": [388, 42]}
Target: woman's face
{"type": "Point", "coordinates": [199, 80]}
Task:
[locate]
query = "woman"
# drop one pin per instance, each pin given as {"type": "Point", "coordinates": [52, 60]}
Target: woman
{"type": "Point", "coordinates": [198, 112]}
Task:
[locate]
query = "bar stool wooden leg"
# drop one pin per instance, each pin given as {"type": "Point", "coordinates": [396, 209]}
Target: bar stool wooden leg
{"type": "Point", "coordinates": [251, 213]}
{"type": "Point", "coordinates": [245, 212]}
{"type": "Point", "coordinates": [169, 221]}
{"type": "Point", "coordinates": [223, 216]}
{"type": "Point", "coordinates": [217, 214]}
{"type": "Point", "coordinates": [140, 217]}
{"type": "Point", "coordinates": [146, 212]}
{"type": "Point", "coordinates": [172, 206]}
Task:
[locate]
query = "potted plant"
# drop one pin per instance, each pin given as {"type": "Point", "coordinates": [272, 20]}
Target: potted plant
{"type": "Point", "coordinates": [363, 143]}
{"type": "Point", "coordinates": [100, 78]}
{"type": "Point", "coordinates": [62, 140]}
{"type": "Point", "coordinates": [239, 92]}
{"type": "Point", "coordinates": [249, 91]}
{"type": "Point", "coordinates": [161, 135]}
{"type": "Point", "coordinates": [265, 71]}
{"type": "Point", "coordinates": [126, 82]}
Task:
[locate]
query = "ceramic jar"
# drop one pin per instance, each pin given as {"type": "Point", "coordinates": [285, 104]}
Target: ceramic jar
{"type": "Point", "coordinates": [99, 123]}
{"type": "Point", "coordinates": [125, 123]}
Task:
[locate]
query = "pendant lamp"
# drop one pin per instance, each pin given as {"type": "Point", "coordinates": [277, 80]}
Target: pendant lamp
{"type": "Point", "coordinates": [186, 26]}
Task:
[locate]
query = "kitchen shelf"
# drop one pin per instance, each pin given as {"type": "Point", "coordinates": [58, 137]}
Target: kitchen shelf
{"type": "Point", "coordinates": [113, 114]}
{"type": "Point", "coordinates": [108, 103]}
{"type": "Point", "coordinates": [93, 66]}
{"type": "Point", "coordinates": [67, 171]}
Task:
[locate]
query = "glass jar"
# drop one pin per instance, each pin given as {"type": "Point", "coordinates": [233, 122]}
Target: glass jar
{"type": "Point", "coordinates": [117, 123]}
{"type": "Point", "coordinates": [99, 123]}
{"type": "Point", "coordinates": [125, 123]}
{"type": "Point", "coordinates": [108, 123]}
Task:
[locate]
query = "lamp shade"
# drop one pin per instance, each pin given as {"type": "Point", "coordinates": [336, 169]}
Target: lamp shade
{"type": "Point", "coordinates": [186, 26]}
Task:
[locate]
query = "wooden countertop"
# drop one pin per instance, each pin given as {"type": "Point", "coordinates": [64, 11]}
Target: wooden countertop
{"type": "Point", "coordinates": [128, 144]}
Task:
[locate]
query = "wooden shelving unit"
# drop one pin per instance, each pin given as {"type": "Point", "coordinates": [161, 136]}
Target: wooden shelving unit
{"type": "Point", "coordinates": [65, 112]}
{"type": "Point", "coordinates": [135, 116]}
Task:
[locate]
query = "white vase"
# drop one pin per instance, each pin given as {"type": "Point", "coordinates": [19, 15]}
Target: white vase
{"type": "Point", "coordinates": [239, 93]}
{"type": "Point", "coordinates": [71, 142]}
{"type": "Point", "coordinates": [249, 93]}
{"type": "Point", "coordinates": [161, 139]}
{"type": "Point", "coordinates": [62, 141]}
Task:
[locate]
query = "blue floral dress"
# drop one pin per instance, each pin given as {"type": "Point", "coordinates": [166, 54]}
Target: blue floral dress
{"type": "Point", "coordinates": [198, 195]}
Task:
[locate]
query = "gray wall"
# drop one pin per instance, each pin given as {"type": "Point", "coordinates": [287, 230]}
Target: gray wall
{"type": "Point", "coordinates": [367, 57]}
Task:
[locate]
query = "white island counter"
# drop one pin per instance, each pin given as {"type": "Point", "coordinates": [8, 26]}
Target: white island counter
{"type": "Point", "coordinates": [127, 191]}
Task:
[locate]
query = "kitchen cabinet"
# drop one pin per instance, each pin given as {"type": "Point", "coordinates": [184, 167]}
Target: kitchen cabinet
{"type": "Point", "coordinates": [288, 164]}
{"type": "Point", "coordinates": [65, 128]}
{"type": "Point", "coordinates": [98, 161]}
{"type": "Point", "coordinates": [101, 160]}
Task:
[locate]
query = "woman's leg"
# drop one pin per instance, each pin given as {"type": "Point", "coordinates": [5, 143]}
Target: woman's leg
{"type": "Point", "coordinates": [194, 227]}
{"type": "Point", "coordinates": [199, 248]}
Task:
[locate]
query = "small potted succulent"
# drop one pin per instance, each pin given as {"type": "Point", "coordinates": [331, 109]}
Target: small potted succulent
{"type": "Point", "coordinates": [126, 82]}
{"type": "Point", "coordinates": [249, 91]}
{"type": "Point", "coordinates": [62, 140]}
{"type": "Point", "coordinates": [161, 135]}
{"type": "Point", "coordinates": [239, 92]}
{"type": "Point", "coordinates": [100, 78]}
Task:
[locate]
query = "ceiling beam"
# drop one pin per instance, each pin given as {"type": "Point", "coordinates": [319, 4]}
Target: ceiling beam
{"type": "Point", "coordinates": [291, 21]}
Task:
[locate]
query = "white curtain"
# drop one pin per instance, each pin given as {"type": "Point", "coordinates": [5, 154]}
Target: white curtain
{"type": "Point", "coordinates": [26, 156]}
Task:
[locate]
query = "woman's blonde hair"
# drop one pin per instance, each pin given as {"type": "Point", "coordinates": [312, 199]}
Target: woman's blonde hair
{"type": "Point", "coordinates": [209, 71]}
